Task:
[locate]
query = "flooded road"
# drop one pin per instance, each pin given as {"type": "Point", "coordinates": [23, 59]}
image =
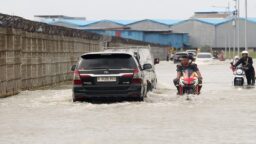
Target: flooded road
{"type": "Point", "coordinates": [222, 114]}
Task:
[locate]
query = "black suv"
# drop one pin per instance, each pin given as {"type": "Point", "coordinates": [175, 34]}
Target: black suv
{"type": "Point", "coordinates": [107, 75]}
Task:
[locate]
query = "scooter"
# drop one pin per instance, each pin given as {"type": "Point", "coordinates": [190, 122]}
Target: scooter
{"type": "Point", "coordinates": [189, 83]}
{"type": "Point", "coordinates": [239, 76]}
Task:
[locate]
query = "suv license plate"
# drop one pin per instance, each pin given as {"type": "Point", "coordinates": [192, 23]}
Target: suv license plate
{"type": "Point", "coordinates": [106, 79]}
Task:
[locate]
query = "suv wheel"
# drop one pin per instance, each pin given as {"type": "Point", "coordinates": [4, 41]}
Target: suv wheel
{"type": "Point", "coordinates": [144, 95]}
{"type": "Point", "coordinates": [150, 87]}
{"type": "Point", "coordinates": [140, 99]}
{"type": "Point", "coordinates": [74, 99]}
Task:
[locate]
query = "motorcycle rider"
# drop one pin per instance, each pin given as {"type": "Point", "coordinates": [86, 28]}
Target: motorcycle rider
{"type": "Point", "coordinates": [247, 64]}
{"type": "Point", "coordinates": [186, 64]}
{"type": "Point", "coordinates": [234, 61]}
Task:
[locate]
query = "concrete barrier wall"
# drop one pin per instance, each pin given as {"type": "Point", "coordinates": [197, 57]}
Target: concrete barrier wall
{"type": "Point", "coordinates": [30, 60]}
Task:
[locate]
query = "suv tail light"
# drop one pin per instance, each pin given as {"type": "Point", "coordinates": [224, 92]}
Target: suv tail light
{"type": "Point", "coordinates": [136, 77]}
{"type": "Point", "coordinates": [77, 79]}
{"type": "Point", "coordinates": [128, 75]}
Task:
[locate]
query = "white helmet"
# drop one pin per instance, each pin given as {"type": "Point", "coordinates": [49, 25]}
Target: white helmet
{"type": "Point", "coordinates": [245, 52]}
{"type": "Point", "coordinates": [236, 57]}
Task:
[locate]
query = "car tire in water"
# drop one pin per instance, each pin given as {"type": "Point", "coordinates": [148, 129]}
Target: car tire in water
{"type": "Point", "coordinates": [149, 87]}
{"type": "Point", "coordinates": [144, 95]}
{"type": "Point", "coordinates": [152, 85]}
{"type": "Point", "coordinates": [74, 99]}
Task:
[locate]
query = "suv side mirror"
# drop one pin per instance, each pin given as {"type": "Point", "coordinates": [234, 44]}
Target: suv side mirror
{"type": "Point", "coordinates": [73, 68]}
{"type": "Point", "coordinates": [156, 61]}
{"type": "Point", "coordinates": [147, 66]}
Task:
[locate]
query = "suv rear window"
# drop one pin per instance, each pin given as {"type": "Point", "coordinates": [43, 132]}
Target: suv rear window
{"type": "Point", "coordinates": [107, 61]}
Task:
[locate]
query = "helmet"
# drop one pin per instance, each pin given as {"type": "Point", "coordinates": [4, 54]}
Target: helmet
{"type": "Point", "coordinates": [236, 57]}
{"type": "Point", "coordinates": [245, 52]}
{"type": "Point", "coordinates": [184, 59]}
{"type": "Point", "coordinates": [186, 56]}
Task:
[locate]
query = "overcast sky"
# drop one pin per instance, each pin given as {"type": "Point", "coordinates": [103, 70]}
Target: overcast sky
{"type": "Point", "coordinates": [117, 9]}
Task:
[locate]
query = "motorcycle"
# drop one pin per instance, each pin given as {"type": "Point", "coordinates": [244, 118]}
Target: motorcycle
{"type": "Point", "coordinates": [239, 75]}
{"type": "Point", "coordinates": [189, 83]}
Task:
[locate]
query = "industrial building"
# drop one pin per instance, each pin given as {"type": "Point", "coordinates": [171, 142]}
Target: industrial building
{"type": "Point", "coordinates": [218, 33]}
{"type": "Point", "coordinates": [217, 30]}
{"type": "Point", "coordinates": [201, 31]}
{"type": "Point", "coordinates": [227, 33]}
{"type": "Point", "coordinates": [152, 31]}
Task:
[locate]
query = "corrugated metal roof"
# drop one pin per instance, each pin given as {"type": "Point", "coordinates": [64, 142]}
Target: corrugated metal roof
{"type": "Point", "coordinates": [213, 21]}
{"type": "Point", "coordinates": [124, 22]}
{"type": "Point", "coordinates": [103, 21]}
{"type": "Point", "coordinates": [160, 21]}
{"type": "Point", "coordinates": [253, 20]}
{"type": "Point", "coordinates": [163, 21]}
{"type": "Point", "coordinates": [145, 20]}
{"type": "Point", "coordinates": [210, 21]}
{"type": "Point", "coordinates": [81, 23]}
{"type": "Point", "coordinates": [221, 21]}
{"type": "Point", "coordinates": [167, 21]}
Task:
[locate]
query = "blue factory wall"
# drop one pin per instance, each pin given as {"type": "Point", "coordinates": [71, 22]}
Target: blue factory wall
{"type": "Point", "coordinates": [175, 40]}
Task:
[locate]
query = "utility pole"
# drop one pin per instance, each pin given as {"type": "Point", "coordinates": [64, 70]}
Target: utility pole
{"type": "Point", "coordinates": [234, 23]}
{"type": "Point", "coordinates": [245, 27]}
{"type": "Point", "coordinates": [229, 46]}
{"type": "Point", "coordinates": [238, 27]}
{"type": "Point", "coordinates": [234, 38]}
